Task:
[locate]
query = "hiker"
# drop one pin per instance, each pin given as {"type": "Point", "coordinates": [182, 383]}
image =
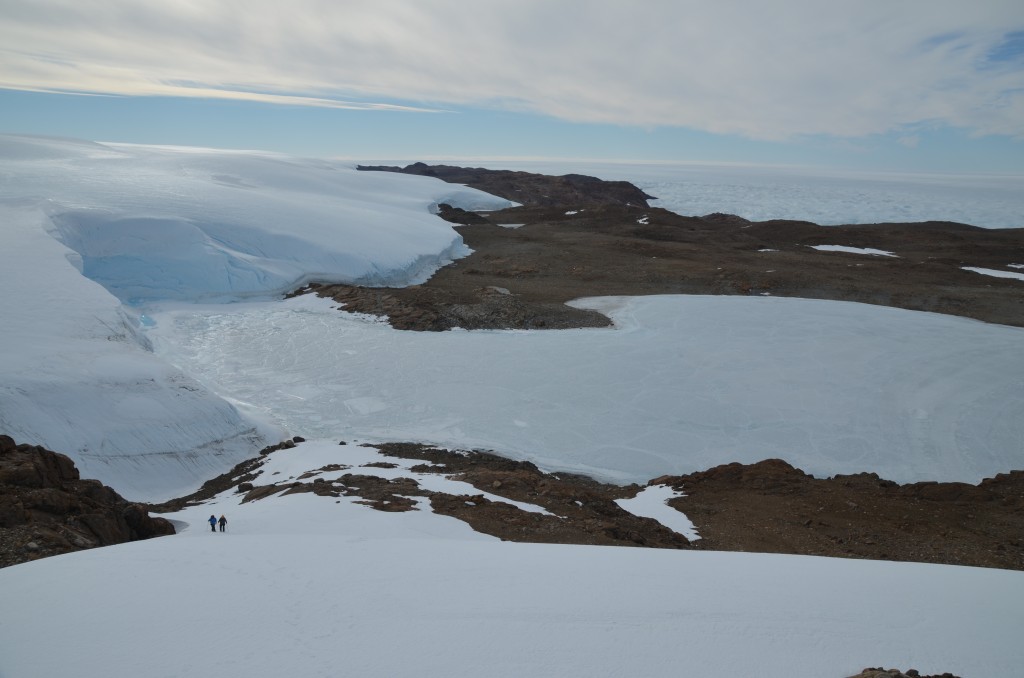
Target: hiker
{"type": "Point", "coordinates": [223, 523]}
{"type": "Point", "coordinates": [213, 523]}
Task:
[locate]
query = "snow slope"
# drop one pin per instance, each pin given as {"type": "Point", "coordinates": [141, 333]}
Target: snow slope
{"type": "Point", "coordinates": [75, 373]}
{"type": "Point", "coordinates": [681, 384]}
{"type": "Point", "coordinates": [315, 586]}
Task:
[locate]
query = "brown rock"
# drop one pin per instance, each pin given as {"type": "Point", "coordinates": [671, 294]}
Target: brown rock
{"type": "Point", "coordinates": [42, 495]}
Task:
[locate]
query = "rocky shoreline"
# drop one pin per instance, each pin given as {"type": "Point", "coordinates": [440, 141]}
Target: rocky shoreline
{"type": "Point", "coordinates": [563, 244]}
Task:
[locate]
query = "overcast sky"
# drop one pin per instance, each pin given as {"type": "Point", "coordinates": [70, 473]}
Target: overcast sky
{"type": "Point", "coordinates": [931, 84]}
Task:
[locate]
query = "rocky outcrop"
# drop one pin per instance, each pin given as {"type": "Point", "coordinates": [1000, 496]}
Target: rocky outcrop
{"type": "Point", "coordinates": [772, 507]}
{"type": "Point", "coordinates": [768, 507]}
{"type": "Point", "coordinates": [527, 188]}
{"type": "Point", "coordinates": [47, 509]}
{"type": "Point", "coordinates": [896, 673]}
{"type": "Point", "coordinates": [564, 252]}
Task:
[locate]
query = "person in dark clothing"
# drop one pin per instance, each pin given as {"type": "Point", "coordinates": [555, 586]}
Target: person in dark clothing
{"type": "Point", "coordinates": [213, 523]}
{"type": "Point", "coordinates": [223, 523]}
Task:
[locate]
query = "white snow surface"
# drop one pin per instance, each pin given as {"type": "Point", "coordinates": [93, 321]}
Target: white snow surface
{"type": "Point", "coordinates": [321, 587]}
{"type": "Point", "coordinates": [852, 250]}
{"type": "Point", "coordinates": [163, 223]}
{"type": "Point", "coordinates": [651, 502]}
{"type": "Point", "coordinates": [995, 273]}
{"type": "Point", "coordinates": [154, 400]}
{"type": "Point", "coordinates": [682, 383]}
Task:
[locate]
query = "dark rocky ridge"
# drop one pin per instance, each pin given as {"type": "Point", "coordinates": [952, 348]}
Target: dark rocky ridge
{"type": "Point", "coordinates": [520, 278]}
{"type": "Point", "coordinates": [527, 188]}
{"type": "Point", "coordinates": [896, 673]}
{"type": "Point", "coordinates": [47, 509]}
{"type": "Point", "coordinates": [772, 507]}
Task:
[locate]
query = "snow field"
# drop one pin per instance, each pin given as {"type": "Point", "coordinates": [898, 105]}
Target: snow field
{"type": "Point", "coordinates": [651, 503]}
{"type": "Point", "coordinates": [852, 250]}
{"type": "Point", "coordinates": [312, 586]}
{"type": "Point", "coordinates": [995, 273]}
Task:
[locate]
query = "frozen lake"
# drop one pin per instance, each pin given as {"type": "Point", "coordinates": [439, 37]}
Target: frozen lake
{"type": "Point", "coordinates": [682, 384]}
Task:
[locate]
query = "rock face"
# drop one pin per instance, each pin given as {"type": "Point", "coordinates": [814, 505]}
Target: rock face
{"type": "Point", "coordinates": [527, 188]}
{"type": "Point", "coordinates": [47, 509]}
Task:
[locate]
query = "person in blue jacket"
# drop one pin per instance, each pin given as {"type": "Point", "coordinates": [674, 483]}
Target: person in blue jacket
{"type": "Point", "coordinates": [213, 523]}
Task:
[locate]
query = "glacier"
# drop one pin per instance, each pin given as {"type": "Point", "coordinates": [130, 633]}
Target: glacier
{"type": "Point", "coordinates": [90, 230]}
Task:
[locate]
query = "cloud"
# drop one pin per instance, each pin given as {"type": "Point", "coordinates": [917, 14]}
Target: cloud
{"type": "Point", "coordinates": [761, 70]}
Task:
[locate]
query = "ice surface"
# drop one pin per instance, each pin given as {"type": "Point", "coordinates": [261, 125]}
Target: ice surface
{"type": "Point", "coordinates": [313, 586]}
{"type": "Point", "coordinates": [682, 384]}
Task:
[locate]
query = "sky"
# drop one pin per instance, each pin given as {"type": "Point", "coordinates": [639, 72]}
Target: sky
{"type": "Point", "coordinates": [916, 86]}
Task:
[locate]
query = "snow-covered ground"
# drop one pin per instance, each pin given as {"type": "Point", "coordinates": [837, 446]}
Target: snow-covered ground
{"type": "Point", "coordinates": [682, 383]}
{"type": "Point", "coordinates": [996, 273]}
{"type": "Point", "coordinates": [853, 250]}
{"type": "Point", "coordinates": [316, 586]}
{"type": "Point", "coordinates": [313, 586]}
